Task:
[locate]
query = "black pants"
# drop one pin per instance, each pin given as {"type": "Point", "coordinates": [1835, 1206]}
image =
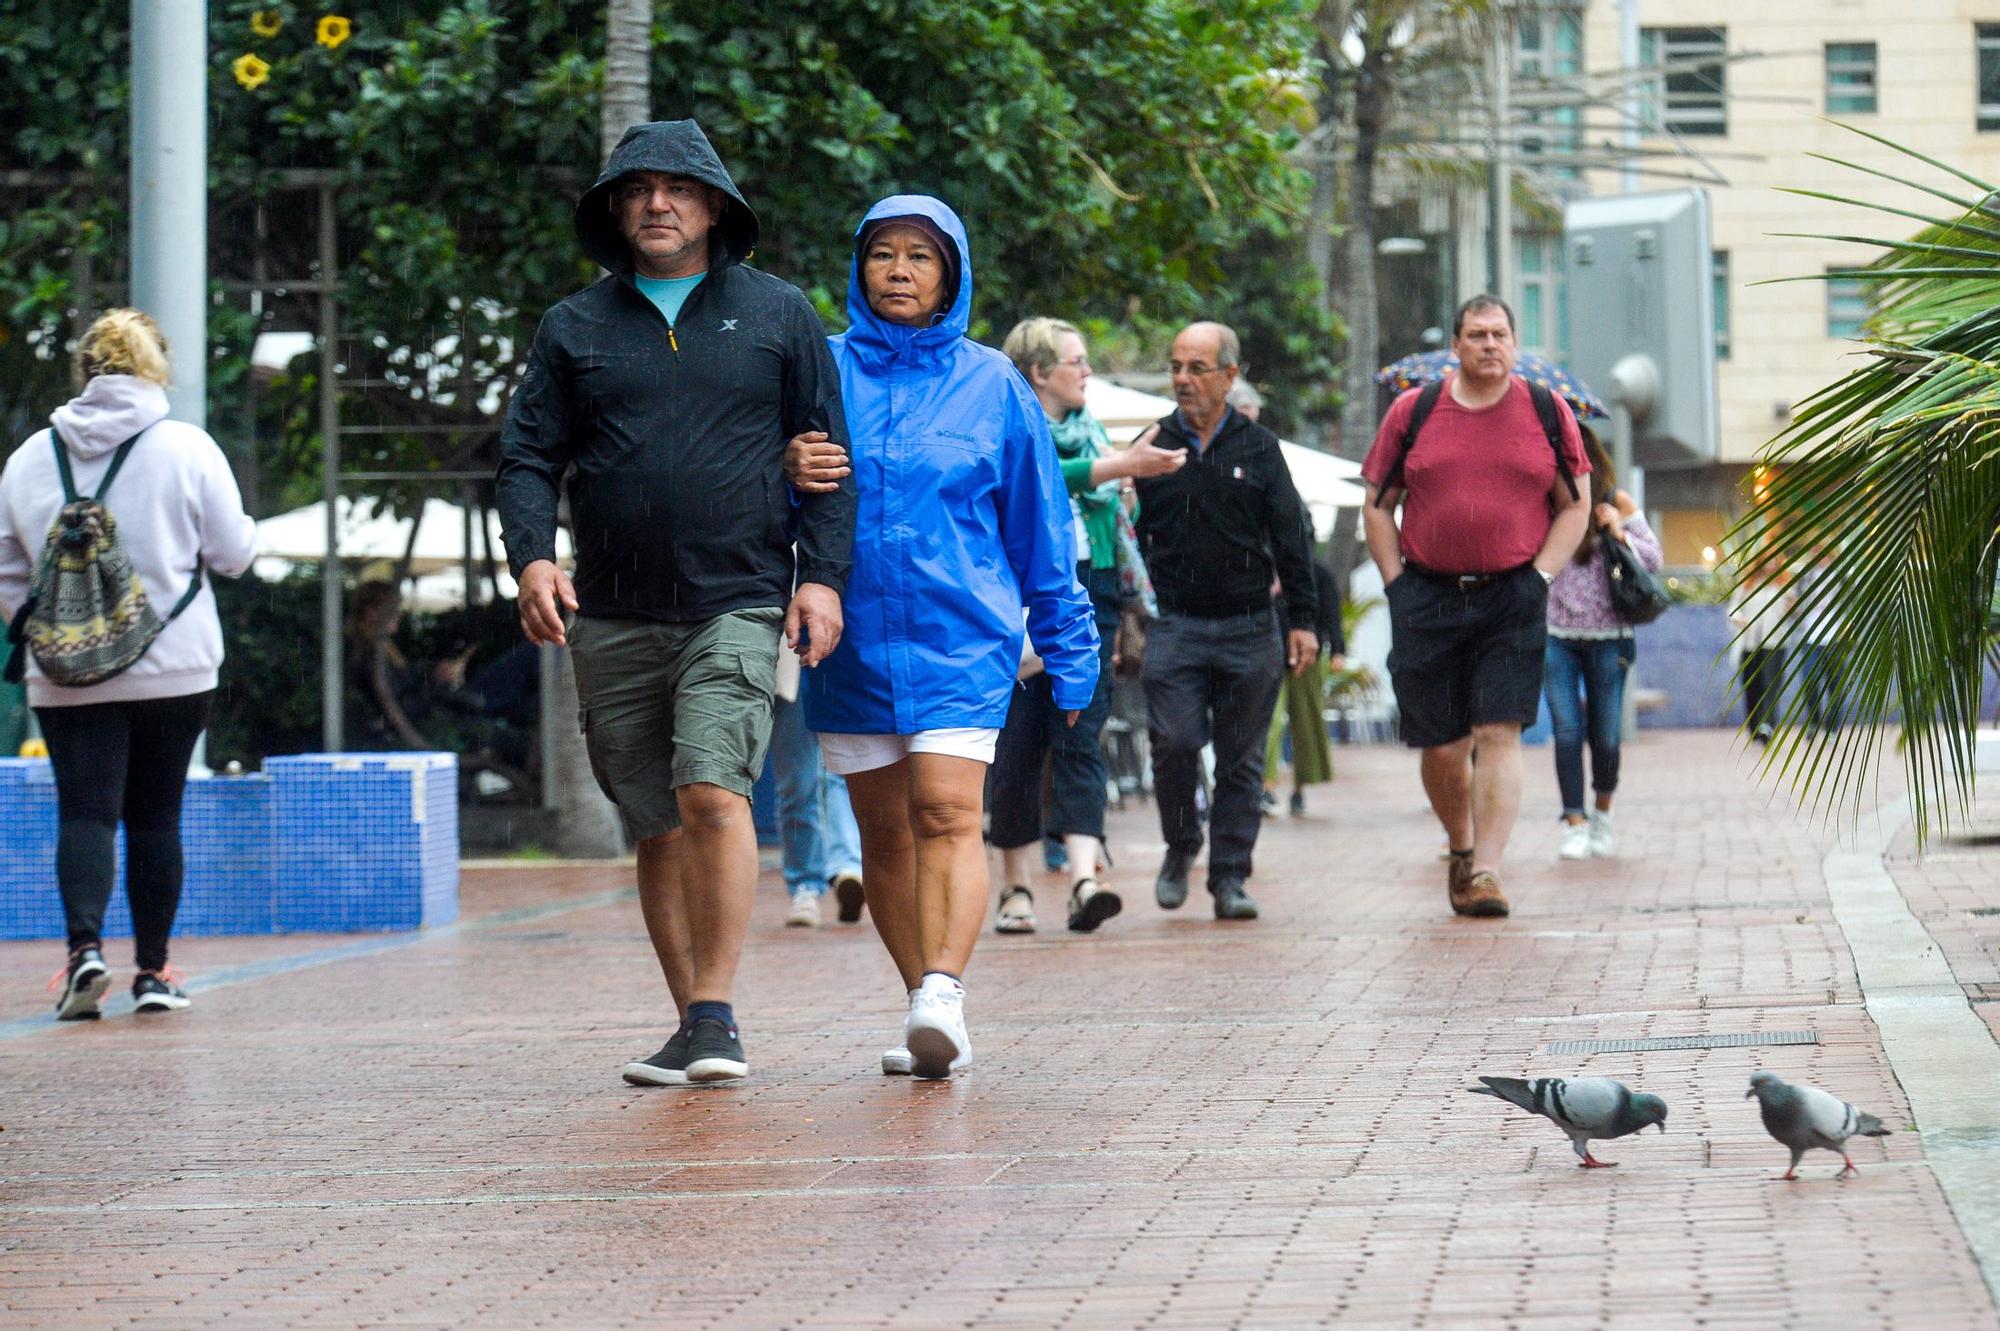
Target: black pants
{"type": "Point", "coordinates": [1036, 729]}
{"type": "Point", "coordinates": [1761, 675]}
{"type": "Point", "coordinates": [1212, 679]}
{"type": "Point", "coordinates": [122, 761]}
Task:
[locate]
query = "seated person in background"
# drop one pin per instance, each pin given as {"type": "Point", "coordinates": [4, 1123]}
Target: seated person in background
{"type": "Point", "coordinates": [393, 704]}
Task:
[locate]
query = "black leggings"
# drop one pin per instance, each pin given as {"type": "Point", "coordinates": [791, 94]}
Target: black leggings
{"type": "Point", "coordinates": [122, 761]}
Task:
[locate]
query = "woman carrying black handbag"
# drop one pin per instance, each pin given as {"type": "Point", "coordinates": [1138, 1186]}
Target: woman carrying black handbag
{"type": "Point", "coordinates": [1590, 651]}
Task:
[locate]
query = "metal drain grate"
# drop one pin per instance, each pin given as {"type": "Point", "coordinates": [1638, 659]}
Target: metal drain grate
{"type": "Point", "coordinates": [1682, 1042]}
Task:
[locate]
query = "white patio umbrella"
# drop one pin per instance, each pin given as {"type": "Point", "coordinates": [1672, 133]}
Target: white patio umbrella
{"type": "Point", "coordinates": [1324, 481]}
{"type": "Point", "coordinates": [367, 533]}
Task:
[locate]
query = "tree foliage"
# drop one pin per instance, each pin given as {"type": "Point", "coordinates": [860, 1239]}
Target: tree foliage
{"type": "Point", "coordinates": [1119, 160]}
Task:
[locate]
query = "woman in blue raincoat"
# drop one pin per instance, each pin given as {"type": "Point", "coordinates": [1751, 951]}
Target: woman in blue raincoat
{"type": "Point", "coordinates": [964, 532]}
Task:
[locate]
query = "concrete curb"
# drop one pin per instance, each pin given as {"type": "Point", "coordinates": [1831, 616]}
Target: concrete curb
{"type": "Point", "coordinates": [1943, 1055]}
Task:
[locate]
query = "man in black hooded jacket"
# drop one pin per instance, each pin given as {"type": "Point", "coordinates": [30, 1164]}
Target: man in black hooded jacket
{"type": "Point", "coordinates": [666, 392]}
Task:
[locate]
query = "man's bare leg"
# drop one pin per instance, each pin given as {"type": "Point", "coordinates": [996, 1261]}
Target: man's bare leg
{"type": "Point", "coordinates": [718, 880]}
{"type": "Point", "coordinates": [1496, 793]}
{"type": "Point", "coordinates": [1447, 772]}
{"type": "Point", "coordinates": [666, 920]}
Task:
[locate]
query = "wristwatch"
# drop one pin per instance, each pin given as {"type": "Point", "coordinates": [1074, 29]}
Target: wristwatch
{"type": "Point", "coordinates": [1548, 578]}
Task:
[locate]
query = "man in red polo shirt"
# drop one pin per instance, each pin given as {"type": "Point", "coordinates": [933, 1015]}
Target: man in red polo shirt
{"type": "Point", "coordinates": [1488, 518]}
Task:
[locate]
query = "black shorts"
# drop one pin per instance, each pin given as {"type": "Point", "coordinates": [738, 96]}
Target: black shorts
{"type": "Point", "coordinates": [1465, 657]}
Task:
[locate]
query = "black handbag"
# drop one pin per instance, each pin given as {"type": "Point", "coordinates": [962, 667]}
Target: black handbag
{"type": "Point", "coordinates": [1636, 594]}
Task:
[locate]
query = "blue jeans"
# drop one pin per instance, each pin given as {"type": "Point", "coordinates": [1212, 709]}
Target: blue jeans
{"type": "Point", "coordinates": [816, 828]}
{"type": "Point", "coordinates": [1584, 679]}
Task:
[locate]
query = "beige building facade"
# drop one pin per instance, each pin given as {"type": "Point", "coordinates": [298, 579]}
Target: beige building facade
{"type": "Point", "coordinates": [1910, 70]}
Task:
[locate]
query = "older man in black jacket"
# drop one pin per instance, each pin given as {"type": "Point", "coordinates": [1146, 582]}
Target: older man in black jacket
{"type": "Point", "coordinates": [666, 392]}
{"type": "Point", "coordinates": [1216, 534]}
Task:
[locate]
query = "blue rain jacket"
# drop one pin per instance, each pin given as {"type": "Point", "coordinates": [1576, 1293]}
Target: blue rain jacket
{"type": "Point", "coordinates": [963, 521]}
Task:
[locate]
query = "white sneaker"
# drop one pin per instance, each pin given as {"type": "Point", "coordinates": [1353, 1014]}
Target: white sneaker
{"type": "Point", "coordinates": [897, 1062]}
{"type": "Point", "coordinates": [934, 1032]}
{"type": "Point", "coordinates": [1575, 842]}
{"type": "Point", "coordinates": [1601, 843]}
{"type": "Point", "coordinates": [804, 913]}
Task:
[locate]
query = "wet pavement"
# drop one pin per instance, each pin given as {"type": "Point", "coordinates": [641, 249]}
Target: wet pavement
{"type": "Point", "coordinates": [1173, 1122]}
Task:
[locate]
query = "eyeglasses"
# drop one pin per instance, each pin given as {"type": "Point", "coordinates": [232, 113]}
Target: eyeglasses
{"type": "Point", "coordinates": [1195, 368]}
{"type": "Point", "coordinates": [1074, 362]}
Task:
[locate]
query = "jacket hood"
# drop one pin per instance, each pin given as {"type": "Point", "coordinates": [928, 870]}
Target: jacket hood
{"type": "Point", "coordinates": [110, 409]}
{"type": "Point", "coordinates": [679, 148]}
{"type": "Point", "coordinates": [875, 337]}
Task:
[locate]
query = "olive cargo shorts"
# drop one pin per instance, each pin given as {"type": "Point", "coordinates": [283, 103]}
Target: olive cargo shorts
{"type": "Point", "coordinates": [671, 705]}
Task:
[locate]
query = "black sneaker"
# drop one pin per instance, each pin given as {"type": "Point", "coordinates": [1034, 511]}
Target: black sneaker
{"type": "Point", "coordinates": [666, 1068]}
{"type": "Point", "coordinates": [847, 891]}
{"type": "Point", "coordinates": [1231, 901]}
{"type": "Point", "coordinates": [81, 984]}
{"type": "Point", "coordinates": [714, 1053]}
{"type": "Point", "coordinates": [1170, 889]}
{"type": "Point", "coordinates": [1298, 805]}
{"type": "Point", "coordinates": [155, 991]}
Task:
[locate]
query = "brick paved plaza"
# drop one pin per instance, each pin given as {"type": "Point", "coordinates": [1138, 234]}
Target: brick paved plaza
{"type": "Point", "coordinates": [1172, 1123]}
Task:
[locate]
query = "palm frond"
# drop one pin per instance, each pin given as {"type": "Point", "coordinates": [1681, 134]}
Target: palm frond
{"type": "Point", "coordinates": [1880, 506]}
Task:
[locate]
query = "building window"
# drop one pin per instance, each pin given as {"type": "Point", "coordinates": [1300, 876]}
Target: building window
{"type": "Point", "coordinates": [1846, 306]}
{"type": "Point", "coordinates": [1850, 78]}
{"type": "Point", "coordinates": [1987, 41]}
{"type": "Point", "coordinates": [1690, 93]}
{"type": "Point", "coordinates": [1719, 268]}
{"type": "Point", "coordinates": [1538, 264]}
{"type": "Point", "coordinates": [1548, 57]}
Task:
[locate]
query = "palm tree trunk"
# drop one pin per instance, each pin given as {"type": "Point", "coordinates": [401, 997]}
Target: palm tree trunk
{"type": "Point", "coordinates": [586, 824]}
{"type": "Point", "coordinates": [1372, 88]}
{"type": "Point", "coordinates": [628, 93]}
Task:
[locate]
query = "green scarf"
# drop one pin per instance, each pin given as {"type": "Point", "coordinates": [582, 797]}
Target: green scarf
{"type": "Point", "coordinates": [1078, 435]}
{"type": "Point", "coordinates": [1080, 440]}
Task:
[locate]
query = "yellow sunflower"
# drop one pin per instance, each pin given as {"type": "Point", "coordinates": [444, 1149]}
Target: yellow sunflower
{"type": "Point", "coordinates": [267, 22]}
{"type": "Point", "coordinates": [251, 72]}
{"type": "Point", "coordinates": [333, 30]}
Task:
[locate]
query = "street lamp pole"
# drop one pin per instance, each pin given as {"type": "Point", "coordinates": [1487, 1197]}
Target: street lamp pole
{"type": "Point", "coordinates": [170, 200]}
{"type": "Point", "coordinates": [170, 189]}
{"type": "Point", "coordinates": [1500, 169]}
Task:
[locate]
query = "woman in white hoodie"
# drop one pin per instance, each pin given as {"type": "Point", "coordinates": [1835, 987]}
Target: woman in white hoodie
{"type": "Point", "coordinates": [120, 748]}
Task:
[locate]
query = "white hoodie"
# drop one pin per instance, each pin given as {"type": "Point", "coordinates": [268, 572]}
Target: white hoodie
{"type": "Point", "coordinates": [175, 502]}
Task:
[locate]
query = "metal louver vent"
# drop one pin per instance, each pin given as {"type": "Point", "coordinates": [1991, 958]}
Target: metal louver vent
{"type": "Point", "coordinates": [1682, 1042]}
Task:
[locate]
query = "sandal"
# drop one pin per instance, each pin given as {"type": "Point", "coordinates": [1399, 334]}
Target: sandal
{"type": "Point", "coordinates": [1017, 912]}
{"type": "Point", "coordinates": [1089, 909]}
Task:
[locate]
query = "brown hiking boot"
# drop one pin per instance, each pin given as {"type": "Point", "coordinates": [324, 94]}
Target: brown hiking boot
{"type": "Point", "coordinates": [1458, 868]}
{"type": "Point", "coordinates": [1480, 896]}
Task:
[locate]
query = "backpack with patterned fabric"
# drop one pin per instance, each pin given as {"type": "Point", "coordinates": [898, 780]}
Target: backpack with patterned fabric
{"type": "Point", "coordinates": [86, 618]}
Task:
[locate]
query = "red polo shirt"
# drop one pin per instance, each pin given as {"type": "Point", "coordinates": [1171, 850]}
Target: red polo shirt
{"type": "Point", "coordinates": [1477, 483]}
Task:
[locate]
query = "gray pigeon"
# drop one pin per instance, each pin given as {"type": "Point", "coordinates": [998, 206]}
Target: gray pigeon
{"type": "Point", "coordinates": [1587, 1108]}
{"type": "Point", "coordinates": [1804, 1117]}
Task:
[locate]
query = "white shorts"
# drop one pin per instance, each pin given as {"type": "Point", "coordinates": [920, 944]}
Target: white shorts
{"type": "Point", "coordinates": [847, 754]}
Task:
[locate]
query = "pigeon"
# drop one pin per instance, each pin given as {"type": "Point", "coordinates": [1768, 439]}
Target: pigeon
{"type": "Point", "coordinates": [1586, 1108]}
{"type": "Point", "coordinates": [1804, 1117]}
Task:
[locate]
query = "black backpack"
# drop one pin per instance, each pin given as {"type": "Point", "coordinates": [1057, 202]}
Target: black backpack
{"type": "Point", "coordinates": [1545, 409]}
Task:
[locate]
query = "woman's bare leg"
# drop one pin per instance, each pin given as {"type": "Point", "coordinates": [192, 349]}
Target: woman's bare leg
{"type": "Point", "coordinates": [946, 798]}
{"type": "Point", "coordinates": [881, 802]}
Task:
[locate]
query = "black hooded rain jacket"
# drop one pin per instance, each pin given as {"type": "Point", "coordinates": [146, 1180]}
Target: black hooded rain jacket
{"type": "Point", "coordinates": [677, 434]}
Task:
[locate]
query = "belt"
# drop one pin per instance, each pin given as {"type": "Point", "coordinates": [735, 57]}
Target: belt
{"type": "Point", "coordinates": [1465, 582]}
